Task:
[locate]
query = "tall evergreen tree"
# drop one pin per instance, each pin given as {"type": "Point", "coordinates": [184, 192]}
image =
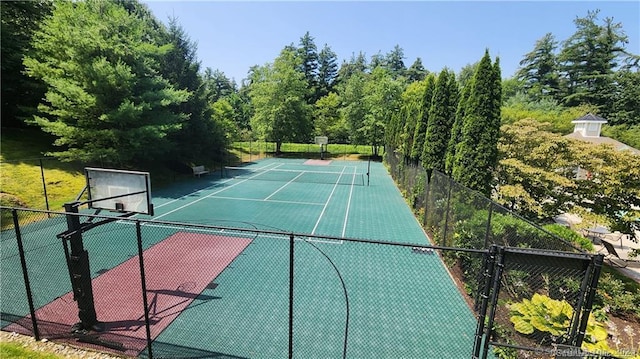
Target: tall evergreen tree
{"type": "Point", "coordinates": [588, 59]}
{"type": "Point", "coordinates": [327, 70]}
{"type": "Point", "coordinates": [456, 129]}
{"type": "Point", "coordinates": [356, 64]}
{"type": "Point", "coordinates": [201, 135]}
{"type": "Point", "coordinates": [394, 62]}
{"type": "Point", "coordinates": [476, 154]}
{"type": "Point", "coordinates": [539, 69]}
{"type": "Point", "coordinates": [218, 84]}
{"type": "Point", "coordinates": [20, 93]}
{"type": "Point", "coordinates": [441, 118]}
{"type": "Point", "coordinates": [377, 60]}
{"type": "Point", "coordinates": [416, 72]}
{"type": "Point", "coordinates": [308, 52]}
{"type": "Point", "coordinates": [423, 121]}
{"type": "Point", "coordinates": [106, 99]}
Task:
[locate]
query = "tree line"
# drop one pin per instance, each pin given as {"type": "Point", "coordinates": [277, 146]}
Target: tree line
{"type": "Point", "coordinates": [113, 84]}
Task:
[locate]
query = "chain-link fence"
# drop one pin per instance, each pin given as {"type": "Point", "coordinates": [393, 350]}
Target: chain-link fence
{"type": "Point", "coordinates": [455, 216]}
{"type": "Point", "coordinates": [164, 289]}
{"type": "Point", "coordinates": [538, 303]}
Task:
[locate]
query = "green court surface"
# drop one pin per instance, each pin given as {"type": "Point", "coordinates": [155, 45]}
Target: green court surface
{"type": "Point", "coordinates": [387, 301]}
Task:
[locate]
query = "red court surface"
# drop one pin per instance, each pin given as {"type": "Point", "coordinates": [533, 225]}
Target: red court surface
{"type": "Point", "coordinates": [318, 162]}
{"type": "Point", "coordinates": [177, 270]}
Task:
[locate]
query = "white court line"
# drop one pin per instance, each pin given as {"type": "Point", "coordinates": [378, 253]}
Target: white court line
{"type": "Point", "coordinates": [285, 185]}
{"type": "Point", "coordinates": [327, 203]}
{"type": "Point", "coordinates": [346, 215]}
{"type": "Point", "coordinates": [204, 189]}
{"type": "Point", "coordinates": [211, 195]}
{"type": "Point", "coordinates": [271, 200]}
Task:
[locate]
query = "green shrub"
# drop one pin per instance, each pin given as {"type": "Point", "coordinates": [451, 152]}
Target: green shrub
{"type": "Point", "coordinates": [570, 235]}
{"type": "Point", "coordinates": [620, 300]}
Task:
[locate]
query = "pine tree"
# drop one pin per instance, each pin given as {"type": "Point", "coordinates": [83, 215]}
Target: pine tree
{"type": "Point", "coordinates": [327, 71]}
{"type": "Point", "coordinates": [394, 62]}
{"type": "Point", "coordinates": [416, 71]}
{"type": "Point", "coordinates": [20, 93]}
{"type": "Point", "coordinates": [476, 154]}
{"type": "Point", "coordinates": [588, 59]}
{"type": "Point", "coordinates": [309, 54]}
{"type": "Point", "coordinates": [107, 99]}
{"type": "Point", "coordinates": [539, 69]}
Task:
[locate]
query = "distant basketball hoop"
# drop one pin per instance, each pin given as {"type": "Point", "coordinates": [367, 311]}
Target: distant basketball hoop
{"type": "Point", "coordinates": [323, 141]}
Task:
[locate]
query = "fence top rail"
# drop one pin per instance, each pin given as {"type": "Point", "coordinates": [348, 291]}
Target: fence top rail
{"type": "Point", "coordinates": [282, 233]}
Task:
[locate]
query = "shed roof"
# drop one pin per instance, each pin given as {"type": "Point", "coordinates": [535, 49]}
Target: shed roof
{"type": "Point", "coordinates": [604, 140]}
{"type": "Point", "coordinates": [590, 118]}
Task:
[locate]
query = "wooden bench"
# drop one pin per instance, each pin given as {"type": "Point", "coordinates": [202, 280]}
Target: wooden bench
{"type": "Point", "coordinates": [199, 170]}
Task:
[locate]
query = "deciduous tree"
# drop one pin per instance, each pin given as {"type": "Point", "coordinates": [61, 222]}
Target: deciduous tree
{"type": "Point", "coordinates": [278, 94]}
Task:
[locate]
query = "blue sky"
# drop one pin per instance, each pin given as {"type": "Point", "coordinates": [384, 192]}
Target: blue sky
{"type": "Point", "coordinates": [233, 36]}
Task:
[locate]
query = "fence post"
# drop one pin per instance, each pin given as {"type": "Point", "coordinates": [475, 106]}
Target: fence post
{"type": "Point", "coordinates": [25, 274]}
{"type": "Point", "coordinates": [446, 214]}
{"type": "Point", "coordinates": [426, 196]}
{"type": "Point", "coordinates": [596, 265]}
{"type": "Point", "coordinates": [291, 257]}
{"type": "Point", "coordinates": [143, 280]}
{"type": "Point", "coordinates": [494, 299]}
{"type": "Point", "coordinates": [488, 230]}
{"type": "Point", "coordinates": [489, 265]}
{"type": "Point", "coordinates": [44, 185]}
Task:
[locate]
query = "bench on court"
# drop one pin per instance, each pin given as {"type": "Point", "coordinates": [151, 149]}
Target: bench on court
{"type": "Point", "coordinates": [199, 170]}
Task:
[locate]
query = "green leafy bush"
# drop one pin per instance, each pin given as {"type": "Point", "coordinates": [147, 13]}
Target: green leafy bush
{"type": "Point", "coordinates": [570, 236]}
{"type": "Point", "coordinates": [620, 300]}
{"type": "Point", "coordinates": [546, 315]}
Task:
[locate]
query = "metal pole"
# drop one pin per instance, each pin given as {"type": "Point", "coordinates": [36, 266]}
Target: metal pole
{"type": "Point", "coordinates": [291, 267]}
{"type": "Point", "coordinates": [143, 279]}
{"type": "Point", "coordinates": [586, 309]}
{"type": "Point", "coordinates": [484, 299]}
{"type": "Point", "coordinates": [446, 214]}
{"type": "Point", "coordinates": [368, 170]}
{"type": "Point", "coordinates": [488, 229]}
{"type": "Point", "coordinates": [494, 300]}
{"type": "Point", "coordinates": [44, 186]}
{"type": "Point", "coordinates": [81, 273]}
{"type": "Point", "coordinates": [25, 275]}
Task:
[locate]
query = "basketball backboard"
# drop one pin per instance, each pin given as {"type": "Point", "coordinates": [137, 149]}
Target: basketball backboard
{"type": "Point", "coordinates": [119, 190]}
{"type": "Point", "coordinates": [322, 140]}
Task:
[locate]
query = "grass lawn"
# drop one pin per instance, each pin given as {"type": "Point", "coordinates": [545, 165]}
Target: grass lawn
{"type": "Point", "coordinates": [9, 350]}
{"type": "Point", "coordinates": [22, 153]}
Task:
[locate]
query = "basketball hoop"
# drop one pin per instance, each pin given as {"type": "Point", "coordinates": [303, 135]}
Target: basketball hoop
{"type": "Point", "coordinates": [322, 141]}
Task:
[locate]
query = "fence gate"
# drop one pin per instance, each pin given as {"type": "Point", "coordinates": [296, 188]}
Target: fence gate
{"type": "Point", "coordinates": [532, 300]}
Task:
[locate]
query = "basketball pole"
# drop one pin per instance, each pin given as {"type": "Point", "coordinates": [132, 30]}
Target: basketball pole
{"type": "Point", "coordinates": [78, 262]}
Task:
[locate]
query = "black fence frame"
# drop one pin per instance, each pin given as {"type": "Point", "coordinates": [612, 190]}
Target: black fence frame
{"type": "Point", "coordinates": [488, 287]}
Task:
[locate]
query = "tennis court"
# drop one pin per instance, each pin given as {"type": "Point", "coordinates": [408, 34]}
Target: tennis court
{"type": "Point", "coordinates": [220, 292]}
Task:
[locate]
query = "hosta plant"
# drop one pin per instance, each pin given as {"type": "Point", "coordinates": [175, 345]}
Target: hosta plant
{"type": "Point", "coordinates": [546, 315]}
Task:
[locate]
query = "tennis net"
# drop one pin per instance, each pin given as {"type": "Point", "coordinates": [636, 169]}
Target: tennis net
{"type": "Point", "coordinates": [282, 175]}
